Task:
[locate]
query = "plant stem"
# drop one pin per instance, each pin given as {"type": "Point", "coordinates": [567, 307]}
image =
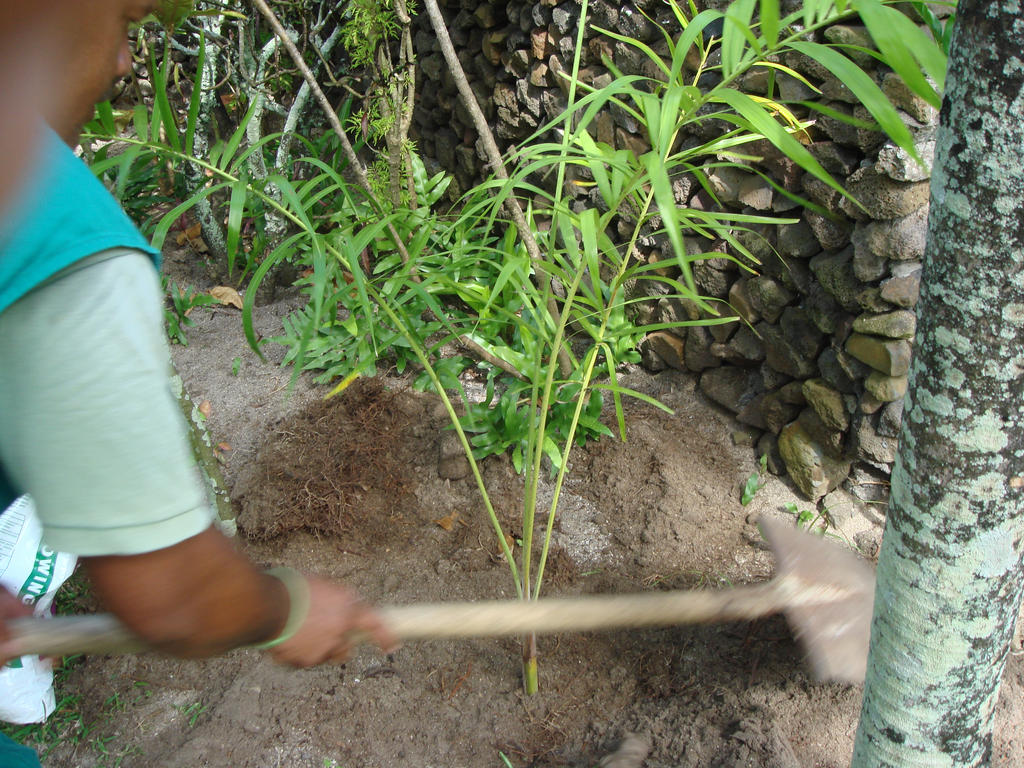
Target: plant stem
{"type": "Point", "coordinates": [530, 682]}
{"type": "Point", "coordinates": [536, 446]}
{"type": "Point", "coordinates": [588, 372]}
{"type": "Point", "coordinates": [457, 425]}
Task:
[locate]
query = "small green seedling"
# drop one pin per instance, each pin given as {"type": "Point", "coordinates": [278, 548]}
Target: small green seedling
{"type": "Point", "coordinates": [755, 482]}
{"type": "Point", "coordinates": [193, 712]}
{"type": "Point", "coordinates": [109, 754]}
{"type": "Point", "coordinates": [143, 691]}
{"type": "Point", "coordinates": [819, 522]}
{"type": "Point", "coordinates": [236, 366]}
{"type": "Point", "coordinates": [183, 301]}
{"type": "Point", "coordinates": [114, 704]}
{"type": "Point", "coordinates": [805, 518]}
{"type": "Point", "coordinates": [814, 521]}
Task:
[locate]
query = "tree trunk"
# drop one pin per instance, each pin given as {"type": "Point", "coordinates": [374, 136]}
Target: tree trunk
{"type": "Point", "coordinates": [949, 574]}
{"type": "Point", "coordinates": [213, 233]}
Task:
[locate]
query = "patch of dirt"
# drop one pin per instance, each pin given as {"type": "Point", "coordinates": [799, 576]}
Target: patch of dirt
{"type": "Point", "coordinates": [349, 488]}
{"type": "Point", "coordinates": [323, 468]}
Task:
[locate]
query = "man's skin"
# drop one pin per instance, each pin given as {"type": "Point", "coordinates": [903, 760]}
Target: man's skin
{"type": "Point", "coordinates": [199, 597]}
{"type": "Point", "coordinates": [30, 62]}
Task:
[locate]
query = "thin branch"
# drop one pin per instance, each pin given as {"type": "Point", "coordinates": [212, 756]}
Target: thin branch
{"type": "Point", "coordinates": [357, 165]}
{"type": "Point", "coordinates": [493, 157]}
{"type": "Point", "coordinates": [487, 357]}
{"type": "Point", "coordinates": [350, 154]}
{"type": "Point", "coordinates": [283, 156]}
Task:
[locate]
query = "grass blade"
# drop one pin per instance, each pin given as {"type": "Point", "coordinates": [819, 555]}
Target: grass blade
{"type": "Point", "coordinates": [249, 300]}
{"type": "Point", "coordinates": [236, 207]}
{"type": "Point", "coordinates": [693, 32]}
{"type": "Point", "coordinates": [865, 89]}
{"type": "Point", "coordinates": [770, 22]}
{"type": "Point", "coordinates": [762, 123]}
{"type": "Point", "coordinates": [127, 160]}
{"type": "Point", "coordinates": [163, 103]}
{"type": "Point", "coordinates": [105, 113]}
{"type": "Point", "coordinates": [227, 154]}
{"type": "Point", "coordinates": [900, 41]}
{"type": "Point", "coordinates": [169, 218]}
{"type": "Point", "coordinates": [735, 34]}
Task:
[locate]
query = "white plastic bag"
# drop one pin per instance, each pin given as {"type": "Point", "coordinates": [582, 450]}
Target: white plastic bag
{"type": "Point", "coordinates": [34, 572]}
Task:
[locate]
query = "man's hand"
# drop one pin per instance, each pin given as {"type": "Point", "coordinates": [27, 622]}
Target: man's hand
{"type": "Point", "coordinates": [202, 597]}
{"type": "Point", "coordinates": [337, 620]}
{"type": "Point", "coordinates": [10, 608]}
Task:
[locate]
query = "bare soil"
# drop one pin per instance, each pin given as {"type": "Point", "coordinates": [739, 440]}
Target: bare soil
{"type": "Point", "coordinates": [350, 488]}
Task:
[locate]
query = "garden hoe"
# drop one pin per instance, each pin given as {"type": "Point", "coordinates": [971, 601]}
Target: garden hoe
{"type": "Point", "coordinates": [825, 591]}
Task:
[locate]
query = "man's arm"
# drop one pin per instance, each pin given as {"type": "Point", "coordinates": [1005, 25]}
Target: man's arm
{"type": "Point", "coordinates": [196, 598]}
{"type": "Point", "coordinates": [202, 597]}
{"type": "Point", "coordinates": [99, 442]}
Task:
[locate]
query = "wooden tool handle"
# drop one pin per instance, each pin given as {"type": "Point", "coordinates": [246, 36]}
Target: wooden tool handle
{"type": "Point", "coordinates": [496, 618]}
{"type": "Point", "coordinates": [103, 633]}
{"type": "Point", "coordinates": [66, 635]}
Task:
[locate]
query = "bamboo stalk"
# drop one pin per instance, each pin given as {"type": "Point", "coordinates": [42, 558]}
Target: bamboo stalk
{"type": "Point", "coordinates": [531, 681]}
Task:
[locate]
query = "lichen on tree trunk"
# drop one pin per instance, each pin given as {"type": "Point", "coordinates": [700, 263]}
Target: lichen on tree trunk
{"type": "Point", "coordinates": [950, 569]}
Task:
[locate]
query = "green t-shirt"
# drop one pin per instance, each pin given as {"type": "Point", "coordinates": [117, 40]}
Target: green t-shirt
{"type": "Point", "coordinates": [64, 215]}
{"type": "Point", "coordinates": [88, 423]}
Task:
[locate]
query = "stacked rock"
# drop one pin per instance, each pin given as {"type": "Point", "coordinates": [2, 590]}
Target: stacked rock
{"type": "Point", "coordinates": [817, 366]}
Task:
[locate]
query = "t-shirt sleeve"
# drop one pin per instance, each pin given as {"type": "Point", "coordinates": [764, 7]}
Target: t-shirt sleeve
{"type": "Point", "coordinates": [88, 422]}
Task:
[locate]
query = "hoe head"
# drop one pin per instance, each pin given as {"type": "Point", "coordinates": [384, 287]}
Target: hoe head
{"type": "Point", "coordinates": [828, 597]}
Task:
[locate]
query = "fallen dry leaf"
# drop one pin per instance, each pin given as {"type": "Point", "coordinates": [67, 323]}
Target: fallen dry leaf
{"type": "Point", "coordinates": [204, 408]}
{"type": "Point", "coordinates": [189, 233]}
{"type": "Point", "coordinates": [227, 295]}
{"type": "Point", "coordinates": [448, 521]}
{"type": "Point", "coordinates": [223, 446]}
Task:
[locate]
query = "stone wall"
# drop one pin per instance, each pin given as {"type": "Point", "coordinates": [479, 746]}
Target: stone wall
{"type": "Point", "coordinates": [819, 367]}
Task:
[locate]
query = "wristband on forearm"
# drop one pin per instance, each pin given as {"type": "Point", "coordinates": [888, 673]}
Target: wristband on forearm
{"type": "Point", "coordinates": [298, 600]}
